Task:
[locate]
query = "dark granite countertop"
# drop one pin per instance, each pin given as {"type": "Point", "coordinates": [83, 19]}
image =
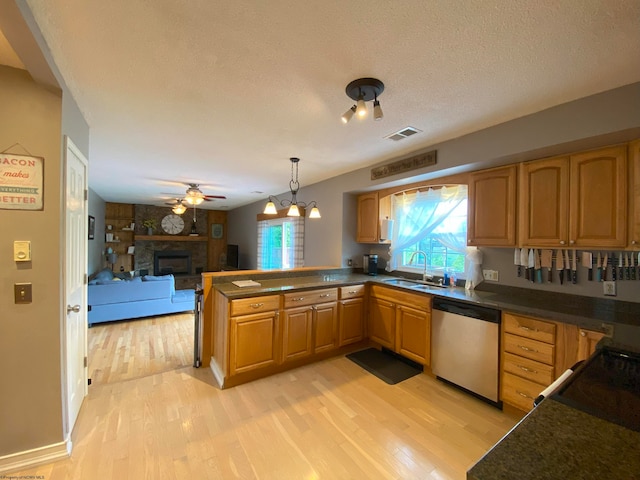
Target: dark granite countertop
{"type": "Point", "coordinates": [572, 309]}
{"type": "Point", "coordinates": [555, 441]}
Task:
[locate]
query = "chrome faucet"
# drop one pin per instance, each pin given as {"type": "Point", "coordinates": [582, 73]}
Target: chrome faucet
{"type": "Point", "coordinates": [424, 273]}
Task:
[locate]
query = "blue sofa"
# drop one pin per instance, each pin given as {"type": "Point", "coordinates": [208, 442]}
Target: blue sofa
{"type": "Point", "coordinates": [111, 298]}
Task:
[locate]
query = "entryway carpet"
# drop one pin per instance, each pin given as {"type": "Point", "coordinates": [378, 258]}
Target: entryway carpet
{"type": "Point", "coordinates": [385, 365]}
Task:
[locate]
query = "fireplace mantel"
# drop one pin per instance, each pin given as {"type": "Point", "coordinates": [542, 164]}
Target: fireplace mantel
{"type": "Point", "coordinates": [169, 238]}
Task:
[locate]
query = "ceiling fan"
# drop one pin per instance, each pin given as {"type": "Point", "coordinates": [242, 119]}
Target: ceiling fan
{"type": "Point", "coordinates": [192, 197]}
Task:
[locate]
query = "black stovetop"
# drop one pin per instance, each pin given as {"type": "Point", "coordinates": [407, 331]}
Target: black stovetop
{"type": "Point", "coordinates": [606, 386]}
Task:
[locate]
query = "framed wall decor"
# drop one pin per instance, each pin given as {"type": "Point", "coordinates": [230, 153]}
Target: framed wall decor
{"type": "Point", "coordinates": [217, 230]}
{"type": "Point", "coordinates": [92, 227]}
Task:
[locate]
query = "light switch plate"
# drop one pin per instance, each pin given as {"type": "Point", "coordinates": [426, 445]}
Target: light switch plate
{"type": "Point", "coordinates": [22, 251]}
{"type": "Point", "coordinates": [22, 292]}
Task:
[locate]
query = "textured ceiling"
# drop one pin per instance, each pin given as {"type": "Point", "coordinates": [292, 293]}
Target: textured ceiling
{"type": "Point", "coordinates": [223, 93]}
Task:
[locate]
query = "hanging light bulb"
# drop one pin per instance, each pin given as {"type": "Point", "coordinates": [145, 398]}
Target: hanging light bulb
{"type": "Point", "coordinates": [270, 208]}
{"type": "Point", "coordinates": [293, 211]}
{"type": "Point", "coordinates": [348, 114]}
{"type": "Point", "coordinates": [293, 204]}
{"type": "Point", "coordinates": [361, 108]}
{"type": "Point", "coordinates": [314, 213]}
{"type": "Point", "coordinates": [377, 110]}
{"type": "Point", "coordinates": [179, 209]}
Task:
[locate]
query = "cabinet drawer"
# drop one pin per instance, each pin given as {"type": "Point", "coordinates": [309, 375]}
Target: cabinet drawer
{"type": "Point", "coordinates": [246, 306]}
{"type": "Point", "coordinates": [352, 291]}
{"type": "Point", "coordinates": [529, 369]}
{"type": "Point", "coordinates": [519, 392]}
{"type": "Point", "coordinates": [530, 328]}
{"type": "Point", "coordinates": [532, 349]}
{"type": "Point", "coordinates": [310, 297]}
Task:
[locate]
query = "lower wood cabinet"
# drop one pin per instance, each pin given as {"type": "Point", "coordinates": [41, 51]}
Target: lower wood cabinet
{"type": "Point", "coordinates": [351, 315]}
{"type": "Point", "coordinates": [297, 330]}
{"type": "Point", "coordinates": [587, 341]}
{"type": "Point", "coordinates": [401, 321]}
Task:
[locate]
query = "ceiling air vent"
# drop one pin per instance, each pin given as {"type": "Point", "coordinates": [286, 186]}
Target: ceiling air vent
{"type": "Point", "coordinates": [404, 133]}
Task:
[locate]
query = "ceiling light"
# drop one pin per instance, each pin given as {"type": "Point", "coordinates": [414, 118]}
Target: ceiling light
{"type": "Point", "coordinates": [179, 209]}
{"type": "Point", "coordinates": [293, 204]}
{"type": "Point", "coordinates": [364, 90]}
{"type": "Point", "coordinates": [194, 196]}
{"type": "Point", "coordinates": [348, 114]}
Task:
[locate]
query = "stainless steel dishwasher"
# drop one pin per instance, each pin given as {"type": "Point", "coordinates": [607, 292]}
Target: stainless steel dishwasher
{"type": "Point", "coordinates": [465, 344]}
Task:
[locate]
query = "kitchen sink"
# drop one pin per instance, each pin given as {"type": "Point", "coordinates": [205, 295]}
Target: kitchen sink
{"type": "Point", "coordinates": [402, 282]}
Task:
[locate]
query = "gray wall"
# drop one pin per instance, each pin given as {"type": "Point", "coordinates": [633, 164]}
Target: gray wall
{"type": "Point", "coordinates": [95, 250]}
{"type": "Point", "coordinates": [590, 122]}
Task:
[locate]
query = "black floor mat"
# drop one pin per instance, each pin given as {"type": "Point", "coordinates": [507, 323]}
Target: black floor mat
{"type": "Point", "coordinates": [385, 365]}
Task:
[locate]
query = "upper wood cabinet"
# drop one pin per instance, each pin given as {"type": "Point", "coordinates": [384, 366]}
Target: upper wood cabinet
{"type": "Point", "coordinates": [634, 193]}
{"type": "Point", "coordinates": [492, 207]}
{"type": "Point", "coordinates": [368, 218]}
{"type": "Point", "coordinates": [576, 201]}
{"type": "Point", "coordinates": [598, 198]}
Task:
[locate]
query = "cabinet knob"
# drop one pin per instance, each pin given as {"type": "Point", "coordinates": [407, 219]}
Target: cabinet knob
{"type": "Point", "coordinates": [633, 242]}
{"type": "Point", "coordinates": [571, 242]}
{"type": "Point", "coordinates": [562, 242]}
{"type": "Point", "coordinates": [583, 333]}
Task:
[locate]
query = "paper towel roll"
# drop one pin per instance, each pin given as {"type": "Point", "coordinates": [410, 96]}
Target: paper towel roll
{"type": "Point", "coordinates": [386, 229]}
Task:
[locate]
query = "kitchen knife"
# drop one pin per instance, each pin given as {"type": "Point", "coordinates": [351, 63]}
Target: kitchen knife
{"type": "Point", "coordinates": [567, 266]}
{"type": "Point", "coordinates": [599, 269]}
{"type": "Point", "coordinates": [531, 264]}
{"type": "Point", "coordinates": [587, 261]}
{"type": "Point", "coordinates": [627, 268]}
{"type": "Point", "coordinates": [546, 261]}
{"type": "Point", "coordinates": [637, 262]}
{"type": "Point", "coordinates": [574, 268]}
{"type": "Point", "coordinates": [613, 266]}
{"type": "Point", "coordinates": [560, 265]}
{"type": "Point", "coordinates": [538, 267]}
{"type": "Point", "coordinates": [620, 266]}
{"type": "Point", "coordinates": [605, 264]}
{"type": "Point", "coordinates": [516, 261]}
{"type": "Point", "coordinates": [524, 261]}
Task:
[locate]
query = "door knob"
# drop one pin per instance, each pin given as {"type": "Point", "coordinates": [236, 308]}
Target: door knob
{"type": "Point", "coordinates": [74, 309]}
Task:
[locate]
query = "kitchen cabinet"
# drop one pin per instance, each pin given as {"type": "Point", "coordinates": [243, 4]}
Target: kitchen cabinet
{"type": "Point", "coordinates": [119, 218]}
{"type": "Point", "coordinates": [492, 207]}
{"type": "Point", "coordinates": [401, 321]}
{"type": "Point", "coordinates": [587, 340]}
{"type": "Point", "coordinates": [634, 194]}
{"type": "Point", "coordinates": [574, 201]}
{"type": "Point", "coordinates": [368, 218]}
{"type": "Point", "coordinates": [351, 314]}
{"type": "Point", "coordinates": [310, 323]}
{"type": "Point", "coordinates": [528, 361]}
{"type": "Point", "coordinates": [254, 333]}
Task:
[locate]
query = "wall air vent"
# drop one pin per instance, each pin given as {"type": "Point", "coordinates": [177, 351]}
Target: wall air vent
{"type": "Point", "coordinates": [404, 133]}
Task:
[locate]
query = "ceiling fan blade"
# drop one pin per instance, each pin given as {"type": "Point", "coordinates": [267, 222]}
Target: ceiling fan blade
{"type": "Point", "coordinates": [211, 197]}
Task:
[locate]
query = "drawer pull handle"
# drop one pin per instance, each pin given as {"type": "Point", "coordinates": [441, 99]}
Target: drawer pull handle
{"type": "Point", "coordinates": [528, 329]}
{"type": "Point", "coordinates": [256, 305]}
{"type": "Point", "coordinates": [297, 299]}
{"type": "Point", "coordinates": [526, 369]}
{"type": "Point", "coordinates": [524, 395]}
{"type": "Point", "coordinates": [323, 295]}
{"type": "Point", "coordinates": [527, 349]}
{"type": "Point", "coordinates": [352, 291]}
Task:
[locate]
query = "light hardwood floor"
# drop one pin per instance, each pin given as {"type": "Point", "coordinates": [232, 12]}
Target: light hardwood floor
{"type": "Point", "coordinates": [329, 420]}
{"type": "Point", "coordinates": [125, 350]}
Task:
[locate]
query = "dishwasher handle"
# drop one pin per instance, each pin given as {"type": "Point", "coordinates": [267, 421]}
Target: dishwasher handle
{"type": "Point", "coordinates": [467, 310]}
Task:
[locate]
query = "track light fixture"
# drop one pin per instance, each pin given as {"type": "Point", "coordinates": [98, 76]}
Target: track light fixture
{"type": "Point", "coordinates": [293, 204]}
{"type": "Point", "coordinates": [363, 90]}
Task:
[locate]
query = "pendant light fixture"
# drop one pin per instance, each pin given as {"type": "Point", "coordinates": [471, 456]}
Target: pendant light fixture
{"type": "Point", "coordinates": [293, 204]}
{"type": "Point", "coordinates": [194, 195]}
{"type": "Point", "coordinates": [364, 90]}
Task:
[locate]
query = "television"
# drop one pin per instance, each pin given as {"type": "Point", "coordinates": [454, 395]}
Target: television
{"type": "Point", "coordinates": [233, 259]}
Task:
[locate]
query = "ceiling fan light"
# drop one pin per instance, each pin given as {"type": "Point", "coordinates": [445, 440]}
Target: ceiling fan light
{"type": "Point", "coordinates": [293, 211]}
{"type": "Point", "coordinates": [361, 108]}
{"type": "Point", "coordinates": [270, 208]}
{"type": "Point", "coordinates": [348, 114]}
{"type": "Point", "coordinates": [314, 213]}
{"type": "Point", "coordinates": [194, 199]}
{"type": "Point", "coordinates": [377, 110]}
{"type": "Point", "coordinates": [179, 209]}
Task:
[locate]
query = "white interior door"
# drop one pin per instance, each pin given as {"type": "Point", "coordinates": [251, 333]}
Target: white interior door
{"type": "Point", "coordinates": [76, 235]}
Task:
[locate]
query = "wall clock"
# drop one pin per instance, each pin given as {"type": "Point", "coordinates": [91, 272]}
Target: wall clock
{"type": "Point", "coordinates": [172, 224]}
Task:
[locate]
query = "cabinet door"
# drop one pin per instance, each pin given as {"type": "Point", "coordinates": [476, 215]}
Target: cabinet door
{"type": "Point", "coordinates": [413, 334]}
{"type": "Point", "coordinates": [325, 328]}
{"type": "Point", "coordinates": [351, 321]}
{"type": "Point", "coordinates": [598, 198]}
{"type": "Point", "coordinates": [382, 322]}
{"type": "Point", "coordinates": [634, 193]}
{"type": "Point", "coordinates": [544, 202]}
{"type": "Point", "coordinates": [492, 207]}
{"type": "Point", "coordinates": [297, 329]}
{"type": "Point", "coordinates": [253, 342]}
{"type": "Point", "coordinates": [368, 218]}
{"type": "Point", "coordinates": [587, 340]}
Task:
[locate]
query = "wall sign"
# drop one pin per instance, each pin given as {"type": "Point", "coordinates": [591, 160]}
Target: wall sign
{"type": "Point", "coordinates": [21, 182]}
{"type": "Point", "coordinates": [419, 161]}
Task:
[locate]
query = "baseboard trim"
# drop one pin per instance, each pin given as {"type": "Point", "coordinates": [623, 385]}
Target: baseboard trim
{"type": "Point", "coordinates": [37, 456]}
{"type": "Point", "coordinates": [217, 373]}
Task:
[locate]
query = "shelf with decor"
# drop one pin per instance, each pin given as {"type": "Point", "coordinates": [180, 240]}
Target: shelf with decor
{"type": "Point", "coordinates": [119, 224]}
{"type": "Point", "coordinates": [169, 238]}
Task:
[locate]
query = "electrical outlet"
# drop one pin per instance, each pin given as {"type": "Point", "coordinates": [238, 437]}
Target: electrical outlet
{"type": "Point", "coordinates": [609, 288]}
{"type": "Point", "coordinates": [491, 275]}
